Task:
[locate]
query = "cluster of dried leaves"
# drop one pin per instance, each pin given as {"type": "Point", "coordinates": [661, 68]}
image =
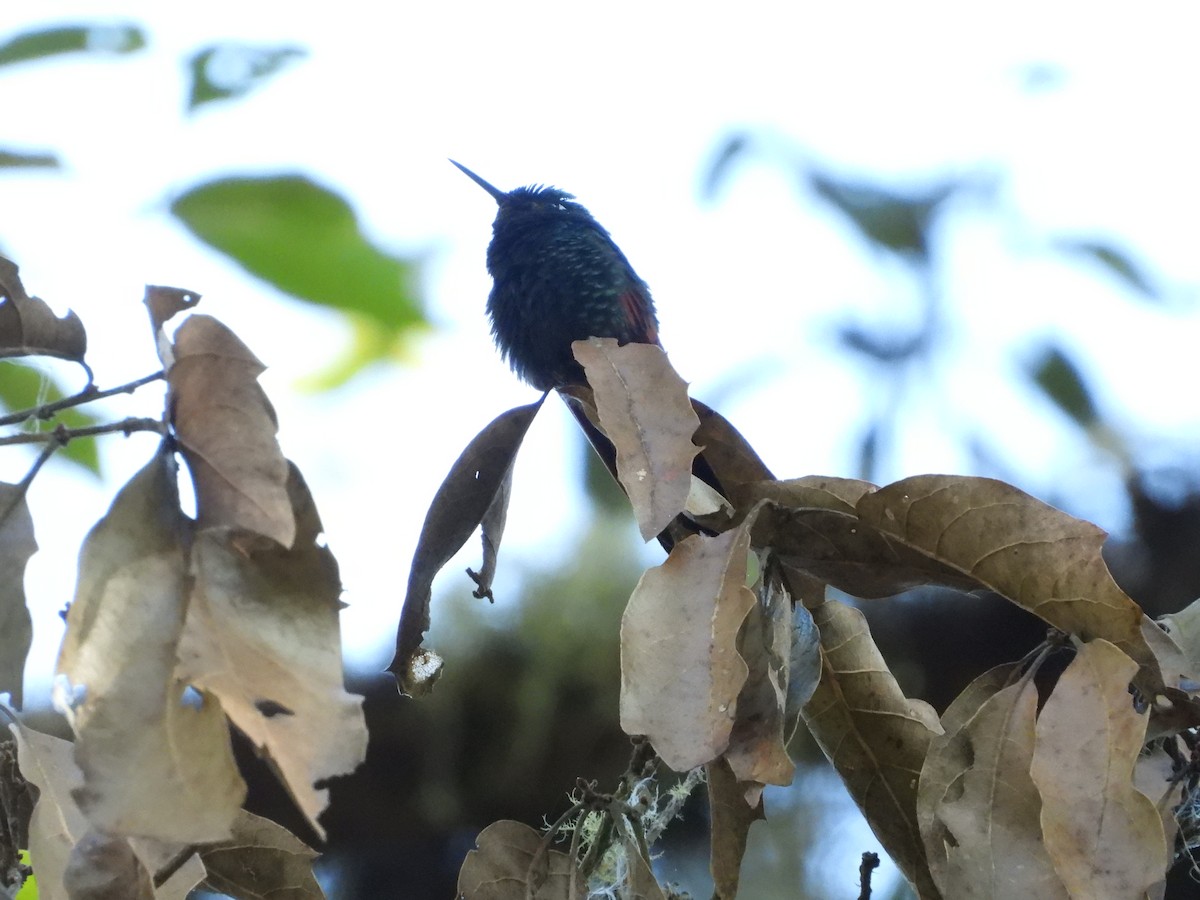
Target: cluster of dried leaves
{"type": "Point", "coordinates": [178, 628]}
{"type": "Point", "coordinates": [1022, 788]}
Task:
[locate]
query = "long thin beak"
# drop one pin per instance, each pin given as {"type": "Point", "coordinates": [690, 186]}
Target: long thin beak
{"type": "Point", "coordinates": [497, 194]}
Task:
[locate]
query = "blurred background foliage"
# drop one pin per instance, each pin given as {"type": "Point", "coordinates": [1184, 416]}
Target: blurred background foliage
{"type": "Point", "coordinates": [529, 699]}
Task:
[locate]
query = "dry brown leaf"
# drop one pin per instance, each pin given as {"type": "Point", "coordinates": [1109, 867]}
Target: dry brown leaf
{"type": "Point", "coordinates": [731, 817]}
{"type": "Point", "coordinates": [104, 867]}
{"type": "Point", "coordinates": [1035, 555]}
{"type": "Point", "coordinates": [17, 544]}
{"type": "Point", "coordinates": [163, 303]}
{"type": "Point", "coordinates": [48, 763]}
{"type": "Point", "coordinates": [499, 867]}
{"type": "Point", "coordinates": [729, 455]}
{"type": "Point", "coordinates": [680, 669]}
{"type": "Point", "coordinates": [942, 765]}
{"type": "Point", "coordinates": [1154, 776]}
{"type": "Point", "coordinates": [153, 764]}
{"type": "Point", "coordinates": [757, 752]}
{"type": "Point", "coordinates": [645, 411]}
{"type": "Point", "coordinates": [461, 504]}
{"type": "Point", "coordinates": [262, 635]}
{"type": "Point", "coordinates": [28, 327]}
{"type": "Point", "coordinates": [985, 836]}
{"type": "Point", "coordinates": [261, 860]}
{"type": "Point", "coordinates": [226, 428]}
{"type": "Point", "coordinates": [1105, 837]}
{"type": "Point", "coordinates": [640, 883]}
{"type": "Point", "coordinates": [1183, 627]}
{"type": "Point", "coordinates": [875, 737]}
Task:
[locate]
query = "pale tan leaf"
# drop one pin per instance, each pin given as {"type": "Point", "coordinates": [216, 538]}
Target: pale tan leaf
{"type": "Point", "coordinates": [1184, 629]}
{"type": "Point", "coordinates": [985, 839]}
{"type": "Point", "coordinates": [1154, 776]}
{"type": "Point", "coordinates": [943, 763]}
{"type": "Point", "coordinates": [261, 861]}
{"type": "Point", "coordinates": [262, 635]}
{"type": "Point", "coordinates": [17, 544]}
{"type": "Point", "coordinates": [731, 817]}
{"type": "Point", "coordinates": [757, 752]}
{"type": "Point", "coordinates": [28, 327]}
{"type": "Point", "coordinates": [226, 429]}
{"type": "Point", "coordinates": [645, 411]}
{"type": "Point", "coordinates": [680, 669]}
{"type": "Point", "coordinates": [500, 867]}
{"type": "Point", "coordinates": [104, 867]}
{"type": "Point", "coordinates": [875, 736]}
{"type": "Point", "coordinates": [153, 765]}
{"type": "Point", "coordinates": [48, 763]}
{"type": "Point", "coordinates": [1105, 837]}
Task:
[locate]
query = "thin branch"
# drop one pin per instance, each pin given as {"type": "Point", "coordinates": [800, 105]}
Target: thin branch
{"type": "Point", "coordinates": [87, 395]}
{"type": "Point", "coordinates": [870, 862]}
{"type": "Point", "coordinates": [62, 435]}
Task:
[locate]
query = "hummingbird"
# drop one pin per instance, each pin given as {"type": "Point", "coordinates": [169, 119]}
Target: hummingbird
{"type": "Point", "coordinates": [558, 277]}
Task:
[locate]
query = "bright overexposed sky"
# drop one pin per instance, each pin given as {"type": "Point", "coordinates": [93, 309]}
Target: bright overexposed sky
{"type": "Point", "coordinates": [624, 104]}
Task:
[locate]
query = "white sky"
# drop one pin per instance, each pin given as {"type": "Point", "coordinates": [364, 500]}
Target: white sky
{"type": "Point", "coordinates": [624, 107]}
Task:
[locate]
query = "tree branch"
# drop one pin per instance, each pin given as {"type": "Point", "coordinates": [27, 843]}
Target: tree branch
{"type": "Point", "coordinates": [63, 435]}
{"type": "Point", "coordinates": [87, 395]}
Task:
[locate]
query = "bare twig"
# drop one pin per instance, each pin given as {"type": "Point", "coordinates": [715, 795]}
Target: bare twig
{"type": "Point", "coordinates": [870, 862]}
{"type": "Point", "coordinates": [23, 486]}
{"type": "Point", "coordinates": [87, 395]}
{"type": "Point", "coordinates": [63, 435]}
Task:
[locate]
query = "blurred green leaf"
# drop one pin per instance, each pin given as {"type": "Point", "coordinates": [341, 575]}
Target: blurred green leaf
{"type": "Point", "coordinates": [225, 71]}
{"type": "Point", "coordinates": [889, 219]}
{"type": "Point", "coordinates": [369, 343]}
{"type": "Point", "coordinates": [1061, 381]}
{"type": "Point", "coordinates": [114, 39]}
{"type": "Point", "coordinates": [24, 387]}
{"type": "Point", "coordinates": [15, 159]}
{"type": "Point", "coordinates": [305, 240]}
{"type": "Point", "coordinates": [1116, 261]}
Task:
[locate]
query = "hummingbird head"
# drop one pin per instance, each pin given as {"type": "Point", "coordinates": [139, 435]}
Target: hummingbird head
{"type": "Point", "coordinates": [536, 200]}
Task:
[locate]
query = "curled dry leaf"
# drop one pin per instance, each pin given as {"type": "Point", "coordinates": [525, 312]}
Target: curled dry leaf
{"type": "Point", "coordinates": [645, 411]}
{"type": "Point", "coordinates": [153, 765]}
{"type": "Point", "coordinates": [680, 669]}
{"type": "Point", "coordinates": [48, 763]}
{"type": "Point", "coordinates": [104, 867]}
{"type": "Point", "coordinates": [977, 806]}
{"type": "Point", "coordinates": [226, 428]}
{"type": "Point", "coordinates": [28, 327]}
{"type": "Point", "coordinates": [730, 455]}
{"type": "Point", "coordinates": [261, 859]}
{"type": "Point", "coordinates": [162, 304]}
{"type": "Point", "coordinates": [967, 533]}
{"type": "Point", "coordinates": [17, 544]}
{"type": "Point", "coordinates": [262, 635]}
{"type": "Point", "coordinates": [1105, 837]}
{"type": "Point", "coordinates": [501, 866]}
{"type": "Point", "coordinates": [875, 736]}
{"type": "Point", "coordinates": [757, 752]}
{"type": "Point", "coordinates": [731, 817]}
{"type": "Point", "coordinates": [466, 497]}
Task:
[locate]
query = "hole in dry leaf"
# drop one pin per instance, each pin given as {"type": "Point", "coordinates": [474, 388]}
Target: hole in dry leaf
{"type": "Point", "coordinates": [65, 696]}
{"type": "Point", "coordinates": [191, 698]}
{"type": "Point", "coordinates": [270, 708]}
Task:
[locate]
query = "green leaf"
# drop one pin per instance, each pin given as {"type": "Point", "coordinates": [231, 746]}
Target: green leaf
{"type": "Point", "coordinates": [1061, 381]}
{"type": "Point", "coordinates": [15, 159]}
{"type": "Point", "coordinates": [305, 240]}
{"type": "Point", "coordinates": [24, 387]}
{"type": "Point", "coordinates": [1118, 263]}
{"type": "Point", "coordinates": [225, 71]}
{"type": "Point", "coordinates": [114, 39]}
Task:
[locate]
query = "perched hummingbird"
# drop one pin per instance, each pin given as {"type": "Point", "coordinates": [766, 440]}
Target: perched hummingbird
{"type": "Point", "coordinates": [558, 277]}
